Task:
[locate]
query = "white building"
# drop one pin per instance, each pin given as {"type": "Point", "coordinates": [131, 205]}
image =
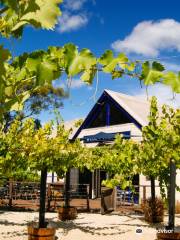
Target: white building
{"type": "Point", "coordinates": [113, 113]}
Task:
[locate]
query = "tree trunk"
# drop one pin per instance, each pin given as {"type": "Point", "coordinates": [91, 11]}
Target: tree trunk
{"type": "Point", "coordinates": [171, 196]}
{"type": "Point", "coordinates": [153, 196]}
{"type": "Point", "coordinates": [10, 192]}
{"type": "Point", "coordinates": [42, 223]}
{"type": "Point", "coordinates": [67, 189]}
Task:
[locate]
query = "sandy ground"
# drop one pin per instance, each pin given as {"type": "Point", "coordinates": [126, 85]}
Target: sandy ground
{"type": "Point", "coordinates": [87, 226]}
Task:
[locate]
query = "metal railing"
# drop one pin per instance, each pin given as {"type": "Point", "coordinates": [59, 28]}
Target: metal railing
{"type": "Point", "coordinates": [137, 196]}
{"type": "Point", "coordinates": [27, 194]}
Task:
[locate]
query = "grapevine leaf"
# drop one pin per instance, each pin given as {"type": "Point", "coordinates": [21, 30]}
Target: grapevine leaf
{"type": "Point", "coordinates": [110, 67]}
{"type": "Point", "coordinates": [16, 103]}
{"type": "Point", "coordinates": [33, 63]}
{"type": "Point", "coordinates": [70, 52]}
{"type": "Point", "coordinates": [45, 69]}
{"type": "Point", "coordinates": [45, 16]}
{"type": "Point", "coordinates": [158, 66]}
{"type": "Point", "coordinates": [8, 91]}
{"type": "Point", "coordinates": [106, 58]}
{"type": "Point", "coordinates": [79, 62]}
{"type": "Point", "coordinates": [172, 79]}
{"type": "Point", "coordinates": [38, 13]}
{"type": "Point", "coordinates": [56, 53]}
{"type": "Point", "coordinates": [45, 73]}
{"type": "Point", "coordinates": [4, 56]}
{"type": "Point", "coordinates": [110, 63]}
{"type": "Point", "coordinates": [151, 74]}
{"type": "Point", "coordinates": [88, 75]}
{"type": "Point", "coordinates": [83, 60]}
{"type": "Point", "coordinates": [117, 74]}
{"type": "Point", "coordinates": [122, 60]}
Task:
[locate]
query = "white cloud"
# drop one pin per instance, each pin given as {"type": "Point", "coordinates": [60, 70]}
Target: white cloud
{"type": "Point", "coordinates": [77, 83]}
{"type": "Point", "coordinates": [74, 5]}
{"type": "Point", "coordinates": [150, 37]}
{"type": "Point", "coordinates": [68, 22]}
{"type": "Point", "coordinates": [163, 93]}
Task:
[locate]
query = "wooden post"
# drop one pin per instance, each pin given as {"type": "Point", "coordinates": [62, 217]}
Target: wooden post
{"type": "Point", "coordinates": [172, 189]}
{"type": "Point", "coordinates": [88, 194]}
{"type": "Point", "coordinates": [52, 177]}
{"type": "Point", "coordinates": [96, 182]}
{"type": "Point", "coordinates": [10, 193]}
{"type": "Point", "coordinates": [42, 223]}
{"type": "Point", "coordinates": [67, 189]}
{"type": "Point", "coordinates": [93, 191]}
{"type": "Point", "coordinates": [153, 197]}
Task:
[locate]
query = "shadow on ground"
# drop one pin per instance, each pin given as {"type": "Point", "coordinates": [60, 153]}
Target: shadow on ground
{"type": "Point", "coordinates": [84, 226]}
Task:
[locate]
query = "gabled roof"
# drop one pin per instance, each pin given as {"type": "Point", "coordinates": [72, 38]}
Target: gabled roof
{"type": "Point", "coordinates": [136, 108]}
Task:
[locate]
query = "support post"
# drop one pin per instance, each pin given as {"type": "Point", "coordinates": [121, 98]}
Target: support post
{"type": "Point", "coordinates": [153, 197]}
{"type": "Point", "coordinates": [67, 189]}
{"type": "Point", "coordinates": [42, 223]}
{"type": "Point", "coordinates": [88, 193]}
{"type": "Point", "coordinates": [52, 177]}
{"type": "Point", "coordinates": [172, 189]}
{"type": "Point", "coordinates": [93, 192]}
{"type": "Point", "coordinates": [10, 193]}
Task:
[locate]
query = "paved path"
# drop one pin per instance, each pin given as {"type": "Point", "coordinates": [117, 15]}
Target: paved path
{"type": "Point", "coordinates": [85, 227]}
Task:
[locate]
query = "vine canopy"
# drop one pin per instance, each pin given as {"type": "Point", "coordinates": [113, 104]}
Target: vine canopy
{"type": "Point", "coordinates": [21, 75]}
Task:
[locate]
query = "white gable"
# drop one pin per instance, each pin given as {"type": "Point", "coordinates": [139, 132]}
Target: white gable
{"type": "Point", "coordinates": [137, 108]}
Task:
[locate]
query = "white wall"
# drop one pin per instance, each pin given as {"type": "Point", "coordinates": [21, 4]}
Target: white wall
{"type": "Point", "coordinates": [143, 181]}
{"type": "Point", "coordinates": [49, 177]}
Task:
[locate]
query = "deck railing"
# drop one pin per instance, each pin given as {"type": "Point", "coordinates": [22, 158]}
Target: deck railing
{"type": "Point", "coordinates": [27, 194]}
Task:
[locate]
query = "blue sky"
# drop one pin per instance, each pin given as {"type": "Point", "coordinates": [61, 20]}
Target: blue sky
{"type": "Point", "coordinates": [142, 29]}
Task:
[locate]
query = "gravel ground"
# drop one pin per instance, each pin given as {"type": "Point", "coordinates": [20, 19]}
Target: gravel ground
{"type": "Point", "coordinates": [87, 226]}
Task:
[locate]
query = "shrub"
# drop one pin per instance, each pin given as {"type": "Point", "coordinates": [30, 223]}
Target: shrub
{"type": "Point", "coordinates": [156, 208]}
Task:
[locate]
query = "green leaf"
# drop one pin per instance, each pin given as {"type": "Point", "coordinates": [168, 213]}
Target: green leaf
{"type": "Point", "coordinates": [158, 66]}
{"type": "Point", "coordinates": [110, 67]}
{"type": "Point", "coordinates": [16, 103]}
{"type": "Point", "coordinates": [83, 60]}
{"type": "Point", "coordinates": [4, 56]}
{"type": "Point", "coordinates": [88, 75]}
{"type": "Point", "coordinates": [44, 15]}
{"type": "Point", "coordinates": [45, 69]}
{"type": "Point", "coordinates": [106, 58]}
{"type": "Point", "coordinates": [122, 60]}
{"type": "Point", "coordinates": [70, 52]}
{"type": "Point", "coordinates": [172, 79]}
{"type": "Point", "coordinates": [45, 72]}
{"type": "Point", "coordinates": [33, 63]}
{"type": "Point", "coordinates": [79, 62]}
{"type": "Point", "coordinates": [151, 74]}
{"type": "Point", "coordinates": [117, 74]}
{"type": "Point", "coordinates": [8, 91]}
{"type": "Point", "coordinates": [56, 52]}
{"type": "Point", "coordinates": [111, 63]}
